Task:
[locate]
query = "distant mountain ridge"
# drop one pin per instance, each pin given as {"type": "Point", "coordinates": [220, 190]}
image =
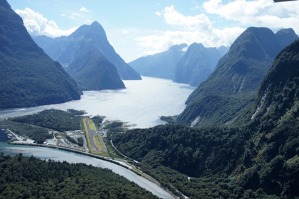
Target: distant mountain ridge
{"type": "Point", "coordinates": [61, 48]}
{"type": "Point", "coordinates": [96, 33]}
{"type": "Point", "coordinates": [232, 87]}
{"type": "Point", "coordinates": [161, 65]}
{"type": "Point", "coordinates": [181, 63]}
{"type": "Point", "coordinates": [99, 66]}
{"type": "Point", "coordinates": [197, 64]}
{"type": "Point", "coordinates": [28, 76]}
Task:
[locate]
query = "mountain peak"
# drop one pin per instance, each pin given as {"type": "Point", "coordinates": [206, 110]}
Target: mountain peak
{"type": "Point", "coordinates": [93, 31]}
{"type": "Point", "coordinates": [197, 45]}
{"type": "Point", "coordinates": [93, 34]}
{"type": "Point", "coordinates": [95, 23]}
{"type": "Point", "coordinates": [286, 31]}
{"type": "Point", "coordinates": [256, 42]}
{"type": "Point", "coordinates": [96, 26]}
{"type": "Point", "coordinates": [286, 36]}
{"type": "Point", "coordinates": [96, 30]}
{"type": "Point", "coordinates": [258, 29]}
{"type": "Point", "coordinates": [177, 47]}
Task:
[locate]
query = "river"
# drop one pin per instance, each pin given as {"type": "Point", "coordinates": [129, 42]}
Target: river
{"type": "Point", "coordinates": [60, 155]}
{"type": "Point", "coordinates": [141, 104]}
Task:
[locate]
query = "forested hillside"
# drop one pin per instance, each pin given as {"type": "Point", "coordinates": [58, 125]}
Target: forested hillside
{"type": "Point", "coordinates": [231, 89]}
{"type": "Point", "coordinates": [28, 77]}
{"type": "Point", "coordinates": [258, 160]}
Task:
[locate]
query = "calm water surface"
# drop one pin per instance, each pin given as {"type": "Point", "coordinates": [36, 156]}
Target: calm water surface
{"type": "Point", "coordinates": [140, 104]}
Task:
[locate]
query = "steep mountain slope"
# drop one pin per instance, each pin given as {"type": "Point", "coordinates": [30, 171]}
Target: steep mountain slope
{"type": "Point", "coordinates": [286, 36]}
{"type": "Point", "coordinates": [278, 96]}
{"type": "Point", "coordinates": [197, 64]}
{"type": "Point", "coordinates": [273, 147]}
{"type": "Point", "coordinates": [162, 65]}
{"type": "Point", "coordinates": [28, 77]}
{"type": "Point", "coordinates": [232, 87]}
{"type": "Point", "coordinates": [258, 160]}
{"type": "Point", "coordinates": [82, 58]}
{"type": "Point", "coordinates": [50, 45]}
{"type": "Point", "coordinates": [94, 34]}
{"type": "Point", "coordinates": [92, 71]}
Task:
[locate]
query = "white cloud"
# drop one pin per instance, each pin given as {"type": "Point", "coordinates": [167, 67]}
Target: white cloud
{"type": "Point", "coordinates": [37, 24]}
{"type": "Point", "coordinates": [83, 9]}
{"type": "Point", "coordinates": [158, 13]}
{"type": "Point", "coordinates": [75, 16]}
{"type": "Point", "coordinates": [125, 32]}
{"type": "Point", "coordinates": [187, 29]}
{"type": "Point", "coordinates": [162, 40]}
{"type": "Point", "coordinates": [173, 17]}
{"type": "Point", "coordinates": [257, 13]}
{"type": "Point", "coordinates": [219, 22]}
{"type": "Point", "coordinates": [80, 15]}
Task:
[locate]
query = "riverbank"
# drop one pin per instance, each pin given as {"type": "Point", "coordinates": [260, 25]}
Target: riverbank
{"type": "Point", "coordinates": [46, 153]}
{"type": "Point", "coordinates": [120, 162]}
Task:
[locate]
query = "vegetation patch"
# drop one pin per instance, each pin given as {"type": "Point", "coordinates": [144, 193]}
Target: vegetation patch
{"type": "Point", "coordinates": [92, 126]}
{"type": "Point", "coordinates": [52, 119]}
{"type": "Point", "coordinates": [99, 145]}
{"type": "Point", "coordinates": [22, 177]}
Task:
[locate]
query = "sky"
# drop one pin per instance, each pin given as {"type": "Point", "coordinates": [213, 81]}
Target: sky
{"type": "Point", "coordinates": [137, 28]}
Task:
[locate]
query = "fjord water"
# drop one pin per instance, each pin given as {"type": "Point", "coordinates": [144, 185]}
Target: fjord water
{"type": "Point", "coordinates": [59, 155]}
{"type": "Point", "coordinates": [141, 103]}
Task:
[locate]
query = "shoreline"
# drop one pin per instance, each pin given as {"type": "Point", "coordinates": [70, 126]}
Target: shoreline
{"type": "Point", "coordinates": [142, 174]}
{"type": "Point", "coordinates": [74, 151]}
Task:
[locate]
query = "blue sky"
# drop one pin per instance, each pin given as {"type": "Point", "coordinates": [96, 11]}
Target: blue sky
{"type": "Point", "coordinates": [136, 28]}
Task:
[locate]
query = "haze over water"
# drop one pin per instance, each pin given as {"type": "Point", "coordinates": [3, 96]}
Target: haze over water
{"type": "Point", "coordinates": [140, 104]}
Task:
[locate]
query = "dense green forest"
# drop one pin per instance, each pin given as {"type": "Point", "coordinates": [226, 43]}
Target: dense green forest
{"type": "Point", "coordinates": [22, 177]}
{"type": "Point", "coordinates": [257, 160]}
{"type": "Point", "coordinates": [53, 119]}
{"type": "Point", "coordinates": [252, 163]}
